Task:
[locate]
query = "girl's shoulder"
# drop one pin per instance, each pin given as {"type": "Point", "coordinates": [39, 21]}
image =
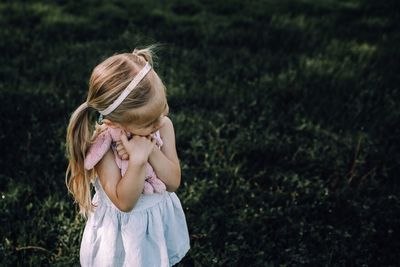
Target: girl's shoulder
{"type": "Point", "coordinates": [168, 137]}
{"type": "Point", "coordinates": [167, 129]}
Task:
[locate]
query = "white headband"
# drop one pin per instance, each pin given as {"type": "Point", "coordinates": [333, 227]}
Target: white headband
{"type": "Point", "coordinates": [127, 90]}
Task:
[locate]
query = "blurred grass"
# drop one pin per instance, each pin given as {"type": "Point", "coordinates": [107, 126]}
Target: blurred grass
{"type": "Point", "coordinates": [285, 113]}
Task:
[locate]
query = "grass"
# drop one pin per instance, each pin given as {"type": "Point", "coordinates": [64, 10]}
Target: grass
{"type": "Point", "coordinates": [285, 114]}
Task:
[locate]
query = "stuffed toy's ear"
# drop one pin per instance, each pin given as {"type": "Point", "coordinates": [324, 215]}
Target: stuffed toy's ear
{"type": "Point", "coordinates": [115, 133]}
{"type": "Point", "coordinates": [98, 149]}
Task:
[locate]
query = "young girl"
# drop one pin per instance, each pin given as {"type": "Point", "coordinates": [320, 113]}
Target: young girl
{"type": "Point", "coordinates": [126, 227]}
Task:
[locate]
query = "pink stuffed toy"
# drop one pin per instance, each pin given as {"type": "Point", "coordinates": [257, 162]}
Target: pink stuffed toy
{"type": "Point", "coordinates": [103, 142]}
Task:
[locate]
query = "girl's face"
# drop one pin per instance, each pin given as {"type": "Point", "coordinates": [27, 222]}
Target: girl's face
{"type": "Point", "coordinates": [147, 129]}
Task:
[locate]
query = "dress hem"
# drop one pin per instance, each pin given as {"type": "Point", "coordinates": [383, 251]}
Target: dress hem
{"type": "Point", "coordinates": [179, 256]}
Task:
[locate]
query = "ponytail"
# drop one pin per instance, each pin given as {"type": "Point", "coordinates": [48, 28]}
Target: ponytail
{"type": "Point", "coordinates": [77, 143]}
{"type": "Point", "coordinates": [147, 53]}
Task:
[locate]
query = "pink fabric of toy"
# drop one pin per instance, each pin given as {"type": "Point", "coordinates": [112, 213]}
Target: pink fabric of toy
{"type": "Point", "coordinates": [103, 142]}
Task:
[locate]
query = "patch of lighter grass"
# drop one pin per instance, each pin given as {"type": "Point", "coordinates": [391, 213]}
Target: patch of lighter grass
{"type": "Point", "coordinates": [375, 21]}
{"type": "Point", "coordinates": [363, 50]}
{"type": "Point", "coordinates": [299, 22]}
{"type": "Point", "coordinates": [53, 14]}
{"type": "Point", "coordinates": [360, 50]}
{"type": "Point", "coordinates": [339, 59]}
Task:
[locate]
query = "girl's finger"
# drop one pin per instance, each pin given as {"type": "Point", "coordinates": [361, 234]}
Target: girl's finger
{"type": "Point", "coordinates": [124, 139]}
{"type": "Point", "coordinates": [120, 147]}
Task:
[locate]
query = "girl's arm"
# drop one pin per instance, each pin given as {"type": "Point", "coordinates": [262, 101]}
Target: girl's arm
{"type": "Point", "coordinates": [165, 162]}
{"type": "Point", "coordinates": [122, 191]}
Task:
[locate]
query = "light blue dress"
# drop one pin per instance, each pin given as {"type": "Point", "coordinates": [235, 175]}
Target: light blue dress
{"type": "Point", "coordinates": [154, 233]}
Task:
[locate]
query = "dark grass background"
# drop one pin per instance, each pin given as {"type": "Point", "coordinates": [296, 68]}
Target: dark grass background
{"type": "Point", "coordinates": [286, 117]}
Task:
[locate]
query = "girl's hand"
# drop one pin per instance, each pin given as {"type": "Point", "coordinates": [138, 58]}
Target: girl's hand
{"type": "Point", "coordinates": [138, 148]}
{"type": "Point", "coordinates": [122, 153]}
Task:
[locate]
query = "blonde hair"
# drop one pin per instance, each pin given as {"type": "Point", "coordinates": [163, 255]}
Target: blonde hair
{"type": "Point", "coordinates": [108, 79]}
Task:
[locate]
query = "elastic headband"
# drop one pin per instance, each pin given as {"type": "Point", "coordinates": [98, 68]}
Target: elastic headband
{"type": "Point", "coordinates": [127, 90]}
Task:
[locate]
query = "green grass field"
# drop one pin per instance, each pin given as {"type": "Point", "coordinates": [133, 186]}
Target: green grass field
{"type": "Point", "coordinates": [286, 116]}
